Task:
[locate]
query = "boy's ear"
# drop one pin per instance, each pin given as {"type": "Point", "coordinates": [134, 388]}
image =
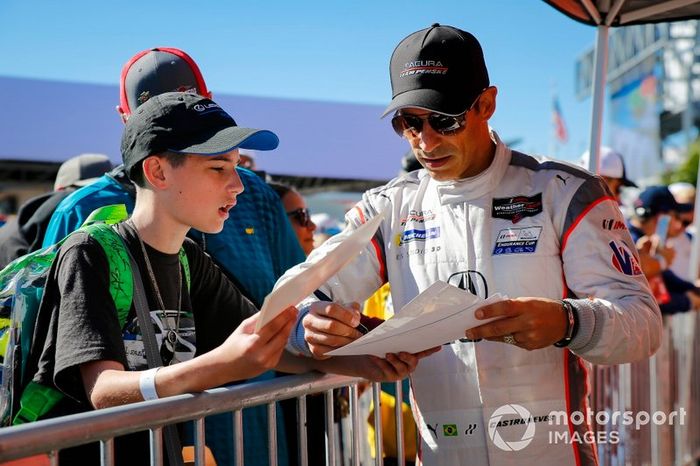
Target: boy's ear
{"type": "Point", "coordinates": [153, 171]}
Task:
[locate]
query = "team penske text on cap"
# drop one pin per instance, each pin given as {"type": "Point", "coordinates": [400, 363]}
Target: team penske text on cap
{"type": "Point", "coordinates": [440, 68]}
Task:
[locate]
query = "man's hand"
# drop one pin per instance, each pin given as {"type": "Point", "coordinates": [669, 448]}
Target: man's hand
{"type": "Point", "coordinates": [394, 367]}
{"type": "Point", "coordinates": [532, 322]}
{"type": "Point", "coordinates": [328, 326]}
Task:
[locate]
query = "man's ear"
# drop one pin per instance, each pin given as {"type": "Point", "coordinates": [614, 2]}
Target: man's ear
{"type": "Point", "coordinates": [486, 105]}
{"type": "Point", "coordinates": [153, 171]}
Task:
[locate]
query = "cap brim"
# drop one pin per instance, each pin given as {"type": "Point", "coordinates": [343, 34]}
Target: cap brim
{"type": "Point", "coordinates": [628, 183]}
{"type": "Point", "coordinates": [685, 207]}
{"type": "Point", "coordinates": [231, 138]}
{"type": "Point", "coordinates": [428, 99]}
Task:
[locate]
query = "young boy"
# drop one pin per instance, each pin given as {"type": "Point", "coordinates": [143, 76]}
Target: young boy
{"type": "Point", "coordinates": [181, 151]}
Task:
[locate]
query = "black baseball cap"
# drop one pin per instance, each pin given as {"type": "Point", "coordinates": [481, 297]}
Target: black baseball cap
{"type": "Point", "coordinates": [440, 68]}
{"type": "Point", "coordinates": [655, 200]}
{"type": "Point", "coordinates": [189, 124]}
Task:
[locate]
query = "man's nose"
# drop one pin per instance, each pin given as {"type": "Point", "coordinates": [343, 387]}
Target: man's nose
{"type": "Point", "coordinates": [429, 139]}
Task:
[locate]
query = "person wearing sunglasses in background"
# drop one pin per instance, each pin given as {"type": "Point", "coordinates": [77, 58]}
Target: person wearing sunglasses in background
{"type": "Point", "coordinates": [489, 220]}
{"type": "Point", "coordinates": [295, 206]}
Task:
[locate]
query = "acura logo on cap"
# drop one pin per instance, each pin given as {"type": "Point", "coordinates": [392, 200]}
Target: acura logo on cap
{"type": "Point", "coordinates": [423, 67]}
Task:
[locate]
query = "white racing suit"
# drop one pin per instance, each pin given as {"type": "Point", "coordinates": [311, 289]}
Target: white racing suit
{"type": "Point", "coordinates": [522, 228]}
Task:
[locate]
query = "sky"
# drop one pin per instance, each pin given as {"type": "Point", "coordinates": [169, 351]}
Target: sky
{"type": "Point", "coordinates": [314, 50]}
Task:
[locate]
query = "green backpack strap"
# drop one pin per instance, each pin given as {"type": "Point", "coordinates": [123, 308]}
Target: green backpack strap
{"type": "Point", "coordinates": [185, 266]}
{"type": "Point", "coordinates": [109, 214]}
{"type": "Point", "coordinates": [121, 281]}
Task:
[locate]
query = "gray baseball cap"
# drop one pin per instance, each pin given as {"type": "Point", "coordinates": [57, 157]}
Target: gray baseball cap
{"type": "Point", "coordinates": [81, 170]}
{"type": "Point", "coordinates": [155, 71]}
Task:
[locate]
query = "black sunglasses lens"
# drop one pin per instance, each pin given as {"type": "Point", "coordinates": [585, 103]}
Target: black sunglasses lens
{"type": "Point", "coordinates": [402, 123]}
{"type": "Point", "coordinates": [443, 123]}
{"type": "Point", "coordinates": [301, 216]}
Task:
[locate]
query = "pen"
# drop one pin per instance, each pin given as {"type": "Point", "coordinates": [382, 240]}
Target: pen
{"type": "Point", "coordinates": [324, 297]}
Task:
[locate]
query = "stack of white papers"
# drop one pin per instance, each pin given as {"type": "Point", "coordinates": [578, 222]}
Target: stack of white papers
{"type": "Point", "coordinates": [440, 314]}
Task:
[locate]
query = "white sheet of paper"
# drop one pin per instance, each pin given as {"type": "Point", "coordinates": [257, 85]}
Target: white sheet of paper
{"type": "Point", "coordinates": [439, 315]}
{"type": "Point", "coordinates": [299, 287]}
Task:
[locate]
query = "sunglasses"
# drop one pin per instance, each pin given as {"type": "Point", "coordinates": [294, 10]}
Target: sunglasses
{"type": "Point", "coordinates": [301, 216]}
{"type": "Point", "coordinates": [443, 124]}
{"type": "Point", "coordinates": [440, 123]}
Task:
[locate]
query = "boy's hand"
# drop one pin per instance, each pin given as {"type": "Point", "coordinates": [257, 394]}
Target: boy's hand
{"type": "Point", "coordinates": [394, 367]}
{"type": "Point", "coordinates": [250, 353]}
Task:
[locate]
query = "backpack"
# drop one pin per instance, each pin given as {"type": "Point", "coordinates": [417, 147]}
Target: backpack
{"type": "Point", "coordinates": [22, 285]}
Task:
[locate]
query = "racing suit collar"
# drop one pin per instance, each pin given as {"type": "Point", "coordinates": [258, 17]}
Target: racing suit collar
{"type": "Point", "coordinates": [466, 189]}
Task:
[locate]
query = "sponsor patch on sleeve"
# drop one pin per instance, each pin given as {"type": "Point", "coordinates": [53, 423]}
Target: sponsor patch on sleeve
{"type": "Point", "coordinates": [516, 208]}
{"type": "Point", "coordinates": [623, 260]}
{"type": "Point", "coordinates": [517, 241]}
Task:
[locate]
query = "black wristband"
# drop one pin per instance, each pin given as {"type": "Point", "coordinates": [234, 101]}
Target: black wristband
{"type": "Point", "coordinates": [571, 324]}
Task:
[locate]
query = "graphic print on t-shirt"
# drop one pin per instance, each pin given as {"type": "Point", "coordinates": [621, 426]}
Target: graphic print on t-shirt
{"type": "Point", "coordinates": [175, 346]}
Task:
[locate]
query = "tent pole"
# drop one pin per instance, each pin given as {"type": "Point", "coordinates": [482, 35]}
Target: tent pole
{"type": "Point", "coordinates": [600, 73]}
{"type": "Point", "coordinates": [689, 122]}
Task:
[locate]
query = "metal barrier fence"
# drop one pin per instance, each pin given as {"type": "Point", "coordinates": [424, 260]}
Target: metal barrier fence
{"type": "Point", "coordinates": [666, 383]}
{"type": "Point", "coordinates": [51, 435]}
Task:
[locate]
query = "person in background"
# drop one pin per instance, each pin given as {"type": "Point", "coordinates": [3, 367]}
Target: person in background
{"type": "Point", "coordinates": [682, 239]}
{"type": "Point", "coordinates": [25, 233]}
{"type": "Point", "coordinates": [248, 161]}
{"type": "Point", "coordinates": [255, 247]}
{"type": "Point", "coordinates": [611, 167]}
{"type": "Point", "coordinates": [295, 206]}
{"type": "Point", "coordinates": [673, 293]}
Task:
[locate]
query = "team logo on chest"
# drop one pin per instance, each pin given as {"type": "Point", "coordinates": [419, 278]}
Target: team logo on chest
{"type": "Point", "coordinates": [516, 208]}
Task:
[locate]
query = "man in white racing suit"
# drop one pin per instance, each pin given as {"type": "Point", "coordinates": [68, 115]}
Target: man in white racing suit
{"type": "Point", "coordinates": [487, 219]}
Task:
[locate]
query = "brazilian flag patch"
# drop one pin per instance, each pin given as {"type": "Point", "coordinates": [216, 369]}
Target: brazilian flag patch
{"type": "Point", "coordinates": [449, 430]}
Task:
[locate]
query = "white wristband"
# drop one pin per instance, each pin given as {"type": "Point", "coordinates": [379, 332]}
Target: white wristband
{"type": "Point", "coordinates": [147, 384]}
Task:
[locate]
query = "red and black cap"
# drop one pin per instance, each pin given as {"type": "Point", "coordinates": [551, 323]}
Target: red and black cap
{"type": "Point", "coordinates": [155, 71]}
{"type": "Point", "coordinates": [440, 68]}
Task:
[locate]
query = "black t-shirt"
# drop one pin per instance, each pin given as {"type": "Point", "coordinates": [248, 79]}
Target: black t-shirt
{"type": "Point", "coordinates": [79, 319]}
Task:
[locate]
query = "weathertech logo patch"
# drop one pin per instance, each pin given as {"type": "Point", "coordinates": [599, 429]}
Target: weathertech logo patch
{"type": "Point", "coordinates": [423, 67]}
{"type": "Point", "coordinates": [517, 207]}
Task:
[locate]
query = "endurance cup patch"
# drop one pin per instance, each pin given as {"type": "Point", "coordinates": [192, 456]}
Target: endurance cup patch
{"type": "Point", "coordinates": [517, 241]}
{"type": "Point", "coordinates": [516, 208]}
